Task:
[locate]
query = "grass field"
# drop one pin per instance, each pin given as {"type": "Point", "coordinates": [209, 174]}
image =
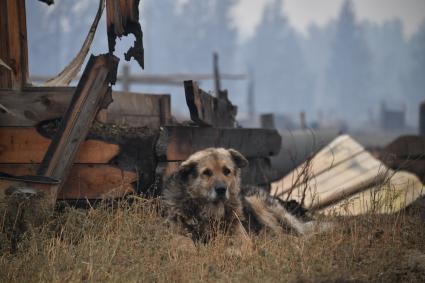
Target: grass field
{"type": "Point", "coordinates": [131, 243]}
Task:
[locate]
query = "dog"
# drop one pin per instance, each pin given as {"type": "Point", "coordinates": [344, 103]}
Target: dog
{"type": "Point", "coordinates": [204, 197]}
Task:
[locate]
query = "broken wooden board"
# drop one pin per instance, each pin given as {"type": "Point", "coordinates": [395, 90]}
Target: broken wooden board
{"type": "Point", "coordinates": [86, 181]}
{"type": "Point", "coordinates": [207, 110]}
{"type": "Point", "coordinates": [33, 105]}
{"type": "Point", "coordinates": [13, 44]}
{"type": "Point", "coordinates": [90, 94]}
{"type": "Point", "coordinates": [177, 143]}
{"type": "Point", "coordinates": [337, 172]}
{"type": "Point", "coordinates": [390, 197]}
{"type": "Point", "coordinates": [122, 18]}
{"type": "Point", "coordinates": [26, 145]}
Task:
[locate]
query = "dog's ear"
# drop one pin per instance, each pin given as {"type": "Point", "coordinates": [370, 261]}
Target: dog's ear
{"type": "Point", "coordinates": [238, 158]}
{"type": "Point", "coordinates": [187, 169]}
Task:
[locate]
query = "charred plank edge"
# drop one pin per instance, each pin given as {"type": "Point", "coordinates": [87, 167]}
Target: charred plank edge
{"type": "Point", "coordinates": [191, 90]}
{"type": "Point", "coordinates": [48, 2]}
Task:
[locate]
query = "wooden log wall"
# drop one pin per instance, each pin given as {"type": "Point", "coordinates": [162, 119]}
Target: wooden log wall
{"type": "Point", "coordinates": [118, 156]}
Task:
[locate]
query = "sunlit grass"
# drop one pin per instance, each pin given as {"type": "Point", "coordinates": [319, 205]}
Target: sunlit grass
{"type": "Point", "coordinates": [131, 243]}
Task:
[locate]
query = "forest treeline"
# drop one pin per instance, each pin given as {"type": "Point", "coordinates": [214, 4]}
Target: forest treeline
{"type": "Point", "coordinates": [344, 70]}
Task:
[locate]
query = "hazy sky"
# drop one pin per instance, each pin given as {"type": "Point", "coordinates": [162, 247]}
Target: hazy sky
{"type": "Point", "coordinates": [302, 13]}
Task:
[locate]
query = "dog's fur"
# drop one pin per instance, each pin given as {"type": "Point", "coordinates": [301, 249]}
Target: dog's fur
{"type": "Point", "coordinates": [204, 196]}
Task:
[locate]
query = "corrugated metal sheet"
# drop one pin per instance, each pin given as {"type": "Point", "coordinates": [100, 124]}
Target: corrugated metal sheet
{"type": "Point", "coordinates": [345, 179]}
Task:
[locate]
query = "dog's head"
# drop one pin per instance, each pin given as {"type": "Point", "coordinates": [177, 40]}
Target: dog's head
{"type": "Point", "coordinates": [213, 174]}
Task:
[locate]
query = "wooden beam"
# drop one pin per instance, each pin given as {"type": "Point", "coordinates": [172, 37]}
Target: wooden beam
{"type": "Point", "coordinates": [29, 107]}
{"type": "Point", "coordinates": [92, 89]}
{"type": "Point", "coordinates": [122, 18]}
{"type": "Point", "coordinates": [26, 145]}
{"type": "Point", "coordinates": [207, 110]}
{"type": "Point", "coordinates": [85, 181]}
{"type": "Point", "coordinates": [176, 143]}
{"type": "Point", "coordinates": [13, 44]}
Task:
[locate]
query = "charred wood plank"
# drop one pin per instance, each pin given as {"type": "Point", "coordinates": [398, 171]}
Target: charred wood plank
{"type": "Point", "coordinates": [13, 44]}
{"type": "Point", "coordinates": [86, 181]}
{"type": "Point", "coordinates": [26, 145]}
{"type": "Point", "coordinates": [29, 107]}
{"type": "Point", "coordinates": [176, 143]}
{"type": "Point", "coordinates": [92, 89]}
{"type": "Point", "coordinates": [407, 147]}
{"type": "Point", "coordinates": [122, 18]}
{"type": "Point", "coordinates": [207, 110]}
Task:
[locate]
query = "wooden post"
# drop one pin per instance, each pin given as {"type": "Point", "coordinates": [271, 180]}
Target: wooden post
{"type": "Point", "coordinates": [422, 119]}
{"type": "Point", "coordinates": [13, 44]}
{"type": "Point", "coordinates": [217, 82]}
{"type": "Point", "coordinates": [125, 78]}
{"type": "Point", "coordinates": [303, 123]}
{"type": "Point", "coordinates": [267, 121]}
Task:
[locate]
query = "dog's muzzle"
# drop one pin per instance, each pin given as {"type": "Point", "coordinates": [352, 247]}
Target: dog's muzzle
{"type": "Point", "coordinates": [220, 192]}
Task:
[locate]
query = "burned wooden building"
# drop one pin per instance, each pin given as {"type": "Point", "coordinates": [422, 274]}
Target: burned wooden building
{"type": "Point", "coordinates": [91, 142]}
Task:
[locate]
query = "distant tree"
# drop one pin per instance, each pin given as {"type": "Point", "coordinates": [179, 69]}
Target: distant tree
{"type": "Point", "coordinates": [316, 48]}
{"type": "Point", "coordinates": [414, 81]}
{"type": "Point", "coordinates": [283, 83]}
{"type": "Point", "coordinates": [389, 51]}
{"type": "Point", "coordinates": [160, 23]}
{"type": "Point", "coordinates": [223, 33]}
{"type": "Point", "coordinates": [348, 76]}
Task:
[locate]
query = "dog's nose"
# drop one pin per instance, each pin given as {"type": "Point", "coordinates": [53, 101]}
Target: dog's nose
{"type": "Point", "coordinates": [220, 191]}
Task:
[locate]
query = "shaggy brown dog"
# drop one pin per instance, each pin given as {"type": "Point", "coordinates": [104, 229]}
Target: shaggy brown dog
{"type": "Point", "coordinates": [204, 197]}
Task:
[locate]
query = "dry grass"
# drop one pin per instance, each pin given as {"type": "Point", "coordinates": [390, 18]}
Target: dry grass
{"type": "Point", "coordinates": [131, 243]}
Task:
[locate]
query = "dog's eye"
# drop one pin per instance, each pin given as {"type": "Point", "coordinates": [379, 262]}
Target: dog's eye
{"type": "Point", "coordinates": [226, 171]}
{"type": "Point", "coordinates": [207, 172]}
